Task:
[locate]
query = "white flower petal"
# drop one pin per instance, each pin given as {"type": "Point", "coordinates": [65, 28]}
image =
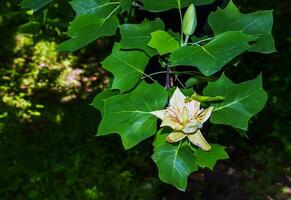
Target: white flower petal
{"type": "Point", "coordinates": [198, 140]}
{"type": "Point", "coordinates": [204, 115]}
{"type": "Point", "coordinates": [192, 126]}
{"type": "Point", "coordinates": [159, 113]}
{"type": "Point", "coordinates": [193, 107]}
{"type": "Point", "coordinates": [175, 137]}
{"type": "Point", "coordinates": [167, 121]}
{"type": "Point", "coordinates": [177, 100]}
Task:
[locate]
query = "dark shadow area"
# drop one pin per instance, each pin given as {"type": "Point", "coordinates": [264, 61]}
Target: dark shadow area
{"type": "Point", "coordinates": [48, 144]}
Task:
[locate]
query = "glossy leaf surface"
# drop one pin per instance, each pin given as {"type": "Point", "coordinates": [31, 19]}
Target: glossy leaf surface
{"type": "Point", "coordinates": [175, 163]}
{"type": "Point", "coordinates": [87, 28]}
{"type": "Point", "coordinates": [137, 36]}
{"type": "Point", "coordinates": [129, 114]}
{"type": "Point", "coordinates": [163, 42]}
{"type": "Point", "coordinates": [126, 66]}
{"type": "Point", "coordinates": [242, 101]}
{"type": "Point", "coordinates": [258, 24]}
{"type": "Point", "coordinates": [211, 57]}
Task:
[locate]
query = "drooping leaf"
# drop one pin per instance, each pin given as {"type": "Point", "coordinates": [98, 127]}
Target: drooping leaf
{"type": "Point", "coordinates": [129, 114]}
{"type": "Point", "coordinates": [163, 42]}
{"type": "Point", "coordinates": [98, 101]}
{"type": "Point", "coordinates": [175, 164]}
{"type": "Point", "coordinates": [137, 36]}
{"type": "Point", "coordinates": [34, 4]}
{"type": "Point", "coordinates": [126, 66]}
{"type": "Point", "coordinates": [100, 8]}
{"type": "Point", "coordinates": [164, 5]}
{"type": "Point", "coordinates": [87, 28]}
{"type": "Point", "coordinates": [209, 158]}
{"type": "Point", "coordinates": [258, 24]}
{"type": "Point", "coordinates": [211, 57]}
{"type": "Point", "coordinates": [242, 101]}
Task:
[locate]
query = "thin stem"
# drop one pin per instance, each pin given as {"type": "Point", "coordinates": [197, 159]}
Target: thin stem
{"type": "Point", "coordinates": [176, 76]}
{"type": "Point", "coordinates": [186, 41]}
{"type": "Point", "coordinates": [167, 85]}
{"type": "Point", "coordinates": [156, 73]}
{"type": "Point", "coordinates": [148, 76]}
{"type": "Point", "coordinates": [181, 21]}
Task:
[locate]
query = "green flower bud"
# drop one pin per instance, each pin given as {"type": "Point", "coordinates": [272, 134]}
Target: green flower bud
{"type": "Point", "coordinates": [189, 21]}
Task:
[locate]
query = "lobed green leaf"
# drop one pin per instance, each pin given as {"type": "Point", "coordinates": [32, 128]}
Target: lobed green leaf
{"type": "Point", "coordinates": [126, 66]}
{"type": "Point", "coordinates": [209, 158]}
{"type": "Point", "coordinates": [86, 29]}
{"type": "Point", "coordinates": [258, 24]}
{"type": "Point", "coordinates": [211, 57]}
{"type": "Point", "coordinates": [175, 164]}
{"type": "Point", "coordinates": [129, 114]}
{"type": "Point", "coordinates": [137, 36]}
{"type": "Point", "coordinates": [241, 101]}
{"type": "Point", "coordinates": [163, 42]}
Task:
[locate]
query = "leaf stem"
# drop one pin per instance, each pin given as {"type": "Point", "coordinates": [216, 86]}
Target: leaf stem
{"type": "Point", "coordinates": [176, 76]}
{"type": "Point", "coordinates": [186, 41]}
{"type": "Point", "coordinates": [113, 11]}
{"type": "Point", "coordinates": [200, 41]}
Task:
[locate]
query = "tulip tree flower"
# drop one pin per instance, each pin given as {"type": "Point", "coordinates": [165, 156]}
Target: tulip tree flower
{"type": "Point", "coordinates": [186, 119]}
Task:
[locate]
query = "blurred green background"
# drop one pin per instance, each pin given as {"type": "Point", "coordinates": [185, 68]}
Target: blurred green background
{"type": "Point", "coordinates": [48, 147]}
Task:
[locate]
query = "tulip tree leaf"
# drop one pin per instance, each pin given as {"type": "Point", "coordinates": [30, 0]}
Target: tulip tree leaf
{"type": "Point", "coordinates": [164, 5]}
{"type": "Point", "coordinates": [211, 57]}
{"type": "Point", "coordinates": [209, 158]}
{"type": "Point", "coordinates": [258, 24]}
{"type": "Point", "coordinates": [87, 28]}
{"type": "Point", "coordinates": [160, 138]}
{"type": "Point", "coordinates": [175, 163]}
{"type": "Point", "coordinates": [163, 42]}
{"type": "Point", "coordinates": [100, 8]}
{"type": "Point", "coordinates": [137, 36]}
{"type": "Point", "coordinates": [242, 101]}
{"type": "Point", "coordinates": [126, 66]}
{"type": "Point", "coordinates": [34, 5]}
{"type": "Point", "coordinates": [129, 114]}
{"type": "Point", "coordinates": [98, 101]}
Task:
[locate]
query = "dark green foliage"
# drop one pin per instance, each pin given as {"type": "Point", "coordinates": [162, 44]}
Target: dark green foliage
{"type": "Point", "coordinates": [48, 148]}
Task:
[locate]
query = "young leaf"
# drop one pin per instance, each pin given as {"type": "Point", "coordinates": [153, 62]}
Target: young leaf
{"type": "Point", "coordinates": [87, 28]}
{"type": "Point", "coordinates": [98, 101]}
{"type": "Point", "coordinates": [209, 158]}
{"type": "Point", "coordinates": [100, 8]}
{"type": "Point", "coordinates": [163, 42]}
{"type": "Point", "coordinates": [129, 114]}
{"type": "Point", "coordinates": [164, 5]}
{"type": "Point", "coordinates": [258, 24]}
{"type": "Point", "coordinates": [211, 57]}
{"type": "Point", "coordinates": [137, 36]}
{"type": "Point", "coordinates": [126, 66]}
{"type": "Point", "coordinates": [34, 4]}
{"type": "Point", "coordinates": [175, 164]}
{"type": "Point", "coordinates": [242, 101]}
